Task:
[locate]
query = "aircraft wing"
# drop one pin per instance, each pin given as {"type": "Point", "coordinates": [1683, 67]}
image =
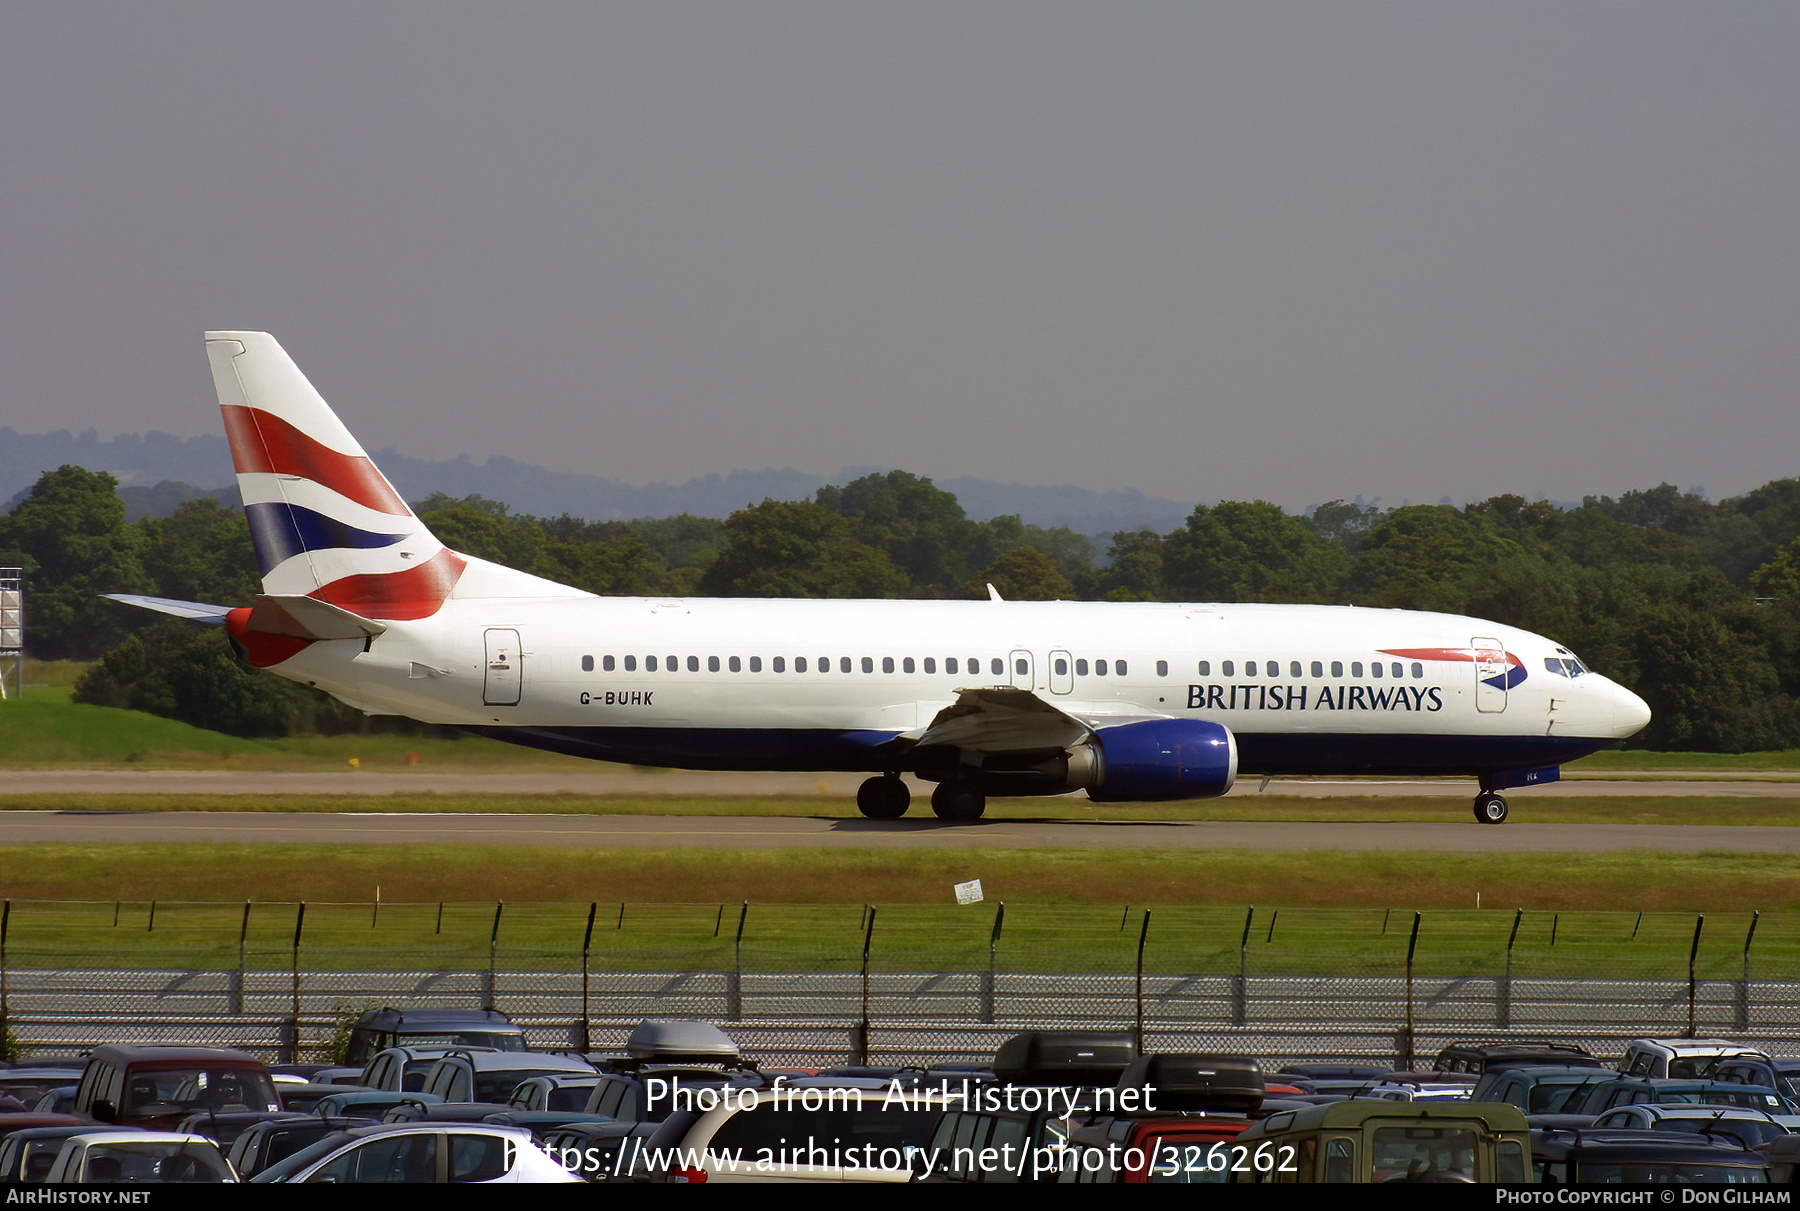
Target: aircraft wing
{"type": "Point", "coordinates": [1002, 719]}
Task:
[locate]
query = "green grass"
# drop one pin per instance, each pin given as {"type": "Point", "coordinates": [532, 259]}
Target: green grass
{"type": "Point", "coordinates": [1036, 933]}
{"type": "Point", "coordinates": [1785, 761]}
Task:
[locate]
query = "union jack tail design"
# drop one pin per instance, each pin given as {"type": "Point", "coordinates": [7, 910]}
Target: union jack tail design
{"type": "Point", "coordinates": [326, 523]}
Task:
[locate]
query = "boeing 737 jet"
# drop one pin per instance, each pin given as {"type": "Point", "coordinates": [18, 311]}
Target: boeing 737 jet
{"type": "Point", "coordinates": [1129, 702]}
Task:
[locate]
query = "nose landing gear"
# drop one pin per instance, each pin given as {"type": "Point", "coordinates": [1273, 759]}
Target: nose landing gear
{"type": "Point", "coordinates": [1490, 808]}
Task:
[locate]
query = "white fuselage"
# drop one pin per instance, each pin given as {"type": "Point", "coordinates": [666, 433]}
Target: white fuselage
{"type": "Point", "coordinates": [729, 683]}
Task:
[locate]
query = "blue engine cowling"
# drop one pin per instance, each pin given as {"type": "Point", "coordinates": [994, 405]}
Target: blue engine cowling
{"type": "Point", "coordinates": [1164, 759]}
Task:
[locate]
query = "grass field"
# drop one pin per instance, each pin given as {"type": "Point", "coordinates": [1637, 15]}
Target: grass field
{"type": "Point", "coordinates": [760, 935]}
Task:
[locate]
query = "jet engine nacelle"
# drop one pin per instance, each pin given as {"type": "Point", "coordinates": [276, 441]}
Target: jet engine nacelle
{"type": "Point", "coordinates": [1161, 759]}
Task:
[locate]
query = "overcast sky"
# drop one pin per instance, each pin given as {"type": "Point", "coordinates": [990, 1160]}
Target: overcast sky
{"type": "Point", "coordinates": [1289, 251]}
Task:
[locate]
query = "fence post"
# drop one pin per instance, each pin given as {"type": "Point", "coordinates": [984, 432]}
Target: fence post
{"type": "Point", "coordinates": [5, 1003]}
{"type": "Point", "coordinates": [734, 983]}
{"type": "Point", "coordinates": [860, 1044]}
{"type": "Point", "coordinates": [237, 977]}
{"type": "Point", "coordinates": [1143, 935]}
{"type": "Point", "coordinates": [487, 984]}
{"type": "Point", "coordinates": [987, 984]}
{"type": "Point", "coordinates": [1743, 989]}
{"type": "Point", "coordinates": [1240, 997]}
{"type": "Point", "coordinates": [293, 1039]}
{"type": "Point", "coordinates": [586, 940]}
{"type": "Point", "coordinates": [1405, 1059]}
{"type": "Point", "coordinates": [1693, 983]}
{"type": "Point", "coordinates": [1503, 1018]}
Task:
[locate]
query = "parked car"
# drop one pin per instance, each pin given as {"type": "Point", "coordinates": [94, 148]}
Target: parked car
{"type": "Point", "coordinates": [1494, 1056]}
{"type": "Point", "coordinates": [1373, 1141]}
{"type": "Point", "coordinates": [379, 1029]}
{"type": "Point", "coordinates": [491, 1076]}
{"type": "Point", "coordinates": [404, 1068]}
{"type": "Point", "coordinates": [1674, 1057]}
{"type": "Point", "coordinates": [1538, 1090]}
{"type": "Point", "coordinates": [157, 1087]}
{"type": "Point", "coordinates": [463, 1153]}
{"type": "Point", "coordinates": [272, 1140]}
{"type": "Point", "coordinates": [103, 1157]}
{"type": "Point", "coordinates": [27, 1153]}
{"type": "Point", "coordinates": [1599, 1158]}
{"type": "Point", "coordinates": [1748, 1127]}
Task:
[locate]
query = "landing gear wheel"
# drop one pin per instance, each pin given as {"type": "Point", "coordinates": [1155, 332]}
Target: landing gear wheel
{"type": "Point", "coordinates": [957, 801]}
{"type": "Point", "coordinates": [1490, 808]}
{"type": "Point", "coordinates": [884, 798]}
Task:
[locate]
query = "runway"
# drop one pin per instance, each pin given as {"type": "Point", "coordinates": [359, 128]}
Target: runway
{"type": "Point", "coordinates": [633, 781]}
{"type": "Point", "coordinates": [574, 832]}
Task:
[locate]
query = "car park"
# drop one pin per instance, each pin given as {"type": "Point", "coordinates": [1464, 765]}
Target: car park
{"type": "Point", "coordinates": [442, 1153]}
{"type": "Point", "coordinates": [1201, 1103]}
{"type": "Point", "coordinates": [379, 1029]}
{"type": "Point", "coordinates": [101, 1157]}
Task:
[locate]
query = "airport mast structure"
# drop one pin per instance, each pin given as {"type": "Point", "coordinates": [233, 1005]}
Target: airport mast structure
{"type": "Point", "coordinates": [12, 631]}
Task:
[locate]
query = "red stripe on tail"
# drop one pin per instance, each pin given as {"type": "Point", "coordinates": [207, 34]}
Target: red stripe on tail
{"type": "Point", "coordinates": [415, 593]}
{"type": "Point", "coordinates": [262, 441]}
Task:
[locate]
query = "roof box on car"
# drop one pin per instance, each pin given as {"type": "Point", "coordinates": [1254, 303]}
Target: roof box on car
{"type": "Point", "coordinates": [1064, 1057]}
{"type": "Point", "coordinates": [1198, 1081]}
{"type": "Point", "coordinates": [677, 1042]}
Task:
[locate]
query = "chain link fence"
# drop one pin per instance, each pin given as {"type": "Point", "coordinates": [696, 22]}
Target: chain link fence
{"type": "Point", "coordinates": [912, 982]}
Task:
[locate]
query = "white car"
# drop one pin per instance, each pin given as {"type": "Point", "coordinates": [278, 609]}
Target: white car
{"type": "Point", "coordinates": [420, 1153]}
{"type": "Point", "coordinates": [108, 1156]}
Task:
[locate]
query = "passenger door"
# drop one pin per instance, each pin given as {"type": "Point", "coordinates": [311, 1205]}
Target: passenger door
{"type": "Point", "coordinates": [504, 668]}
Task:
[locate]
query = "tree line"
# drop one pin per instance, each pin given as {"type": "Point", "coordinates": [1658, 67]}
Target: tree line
{"type": "Point", "coordinates": [1694, 604]}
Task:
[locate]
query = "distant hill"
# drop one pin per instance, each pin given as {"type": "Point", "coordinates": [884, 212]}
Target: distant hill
{"type": "Point", "coordinates": [196, 466]}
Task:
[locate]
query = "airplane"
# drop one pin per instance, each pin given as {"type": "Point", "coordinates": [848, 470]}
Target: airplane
{"type": "Point", "coordinates": [1129, 702]}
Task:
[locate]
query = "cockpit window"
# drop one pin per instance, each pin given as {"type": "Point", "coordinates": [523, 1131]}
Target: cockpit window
{"type": "Point", "coordinates": [1564, 666]}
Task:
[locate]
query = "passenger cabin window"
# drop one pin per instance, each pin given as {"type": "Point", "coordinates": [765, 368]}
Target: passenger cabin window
{"type": "Point", "coordinates": [649, 664]}
{"type": "Point", "coordinates": [631, 664]}
{"type": "Point", "coordinates": [1356, 668]}
{"type": "Point", "coordinates": [950, 664]}
{"type": "Point", "coordinates": [674, 665]}
{"type": "Point", "coordinates": [606, 663]}
{"type": "Point", "coordinates": [756, 664]}
{"type": "Point", "coordinates": [1318, 670]}
{"type": "Point", "coordinates": [712, 663]}
{"type": "Point", "coordinates": [907, 665]}
{"type": "Point", "coordinates": [844, 664]}
{"type": "Point", "coordinates": [1418, 670]}
{"type": "Point", "coordinates": [1020, 667]}
{"type": "Point", "coordinates": [1081, 668]}
{"type": "Point", "coordinates": [1375, 668]}
{"type": "Point", "coordinates": [1249, 668]}
{"type": "Point", "coordinates": [1337, 668]}
{"type": "Point", "coordinates": [736, 665]}
{"type": "Point", "coordinates": [868, 665]}
{"type": "Point", "coordinates": [1099, 668]}
{"type": "Point", "coordinates": [587, 664]}
{"type": "Point", "coordinates": [1119, 667]}
{"type": "Point", "coordinates": [1293, 668]}
{"type": "Point", "coordinates": [1060, 666]}
{"type": "Point", "coordinates": [998, 666]}
{"type": "Point", "coordinates": [694, 664]}
{"type": "Point", "coordinates": [931, 664]}
{"type": "Point", "coordinates": [1227, 669]}
{"type": "Point", "coordinates": [1206, 668]}
{"type": "Point", "coordinates": [1396, 670]}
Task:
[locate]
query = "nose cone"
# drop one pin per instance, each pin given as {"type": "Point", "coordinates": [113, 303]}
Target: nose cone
{"type": "Point", "coordinates": [1631, 714]}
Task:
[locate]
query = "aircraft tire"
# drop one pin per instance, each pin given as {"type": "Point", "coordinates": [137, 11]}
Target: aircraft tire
{"type": "Point", "coordinates": [883, 798]}
{"type": "Point", "coordinates": [1490, 808]}
{"type": "Point", "coordinates": [957, 802]}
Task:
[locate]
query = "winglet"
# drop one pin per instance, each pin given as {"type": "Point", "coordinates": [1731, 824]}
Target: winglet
{"type": "Point", "coordinates": [994, 594]}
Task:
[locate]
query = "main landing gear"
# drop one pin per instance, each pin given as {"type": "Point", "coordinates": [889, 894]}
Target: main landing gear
{"type": "Point", "coordinates": [1490, 808]}
{"type": "Point", "coordinates": [883, 798]}
{"type": "Point", "coordinates": [957, 801]}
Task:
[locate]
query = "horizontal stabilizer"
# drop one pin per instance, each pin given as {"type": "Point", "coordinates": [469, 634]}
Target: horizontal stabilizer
{"type": "Point", "coordinates": [308, 618]}
{"type": "Point", "coordinates": [193, 611]}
